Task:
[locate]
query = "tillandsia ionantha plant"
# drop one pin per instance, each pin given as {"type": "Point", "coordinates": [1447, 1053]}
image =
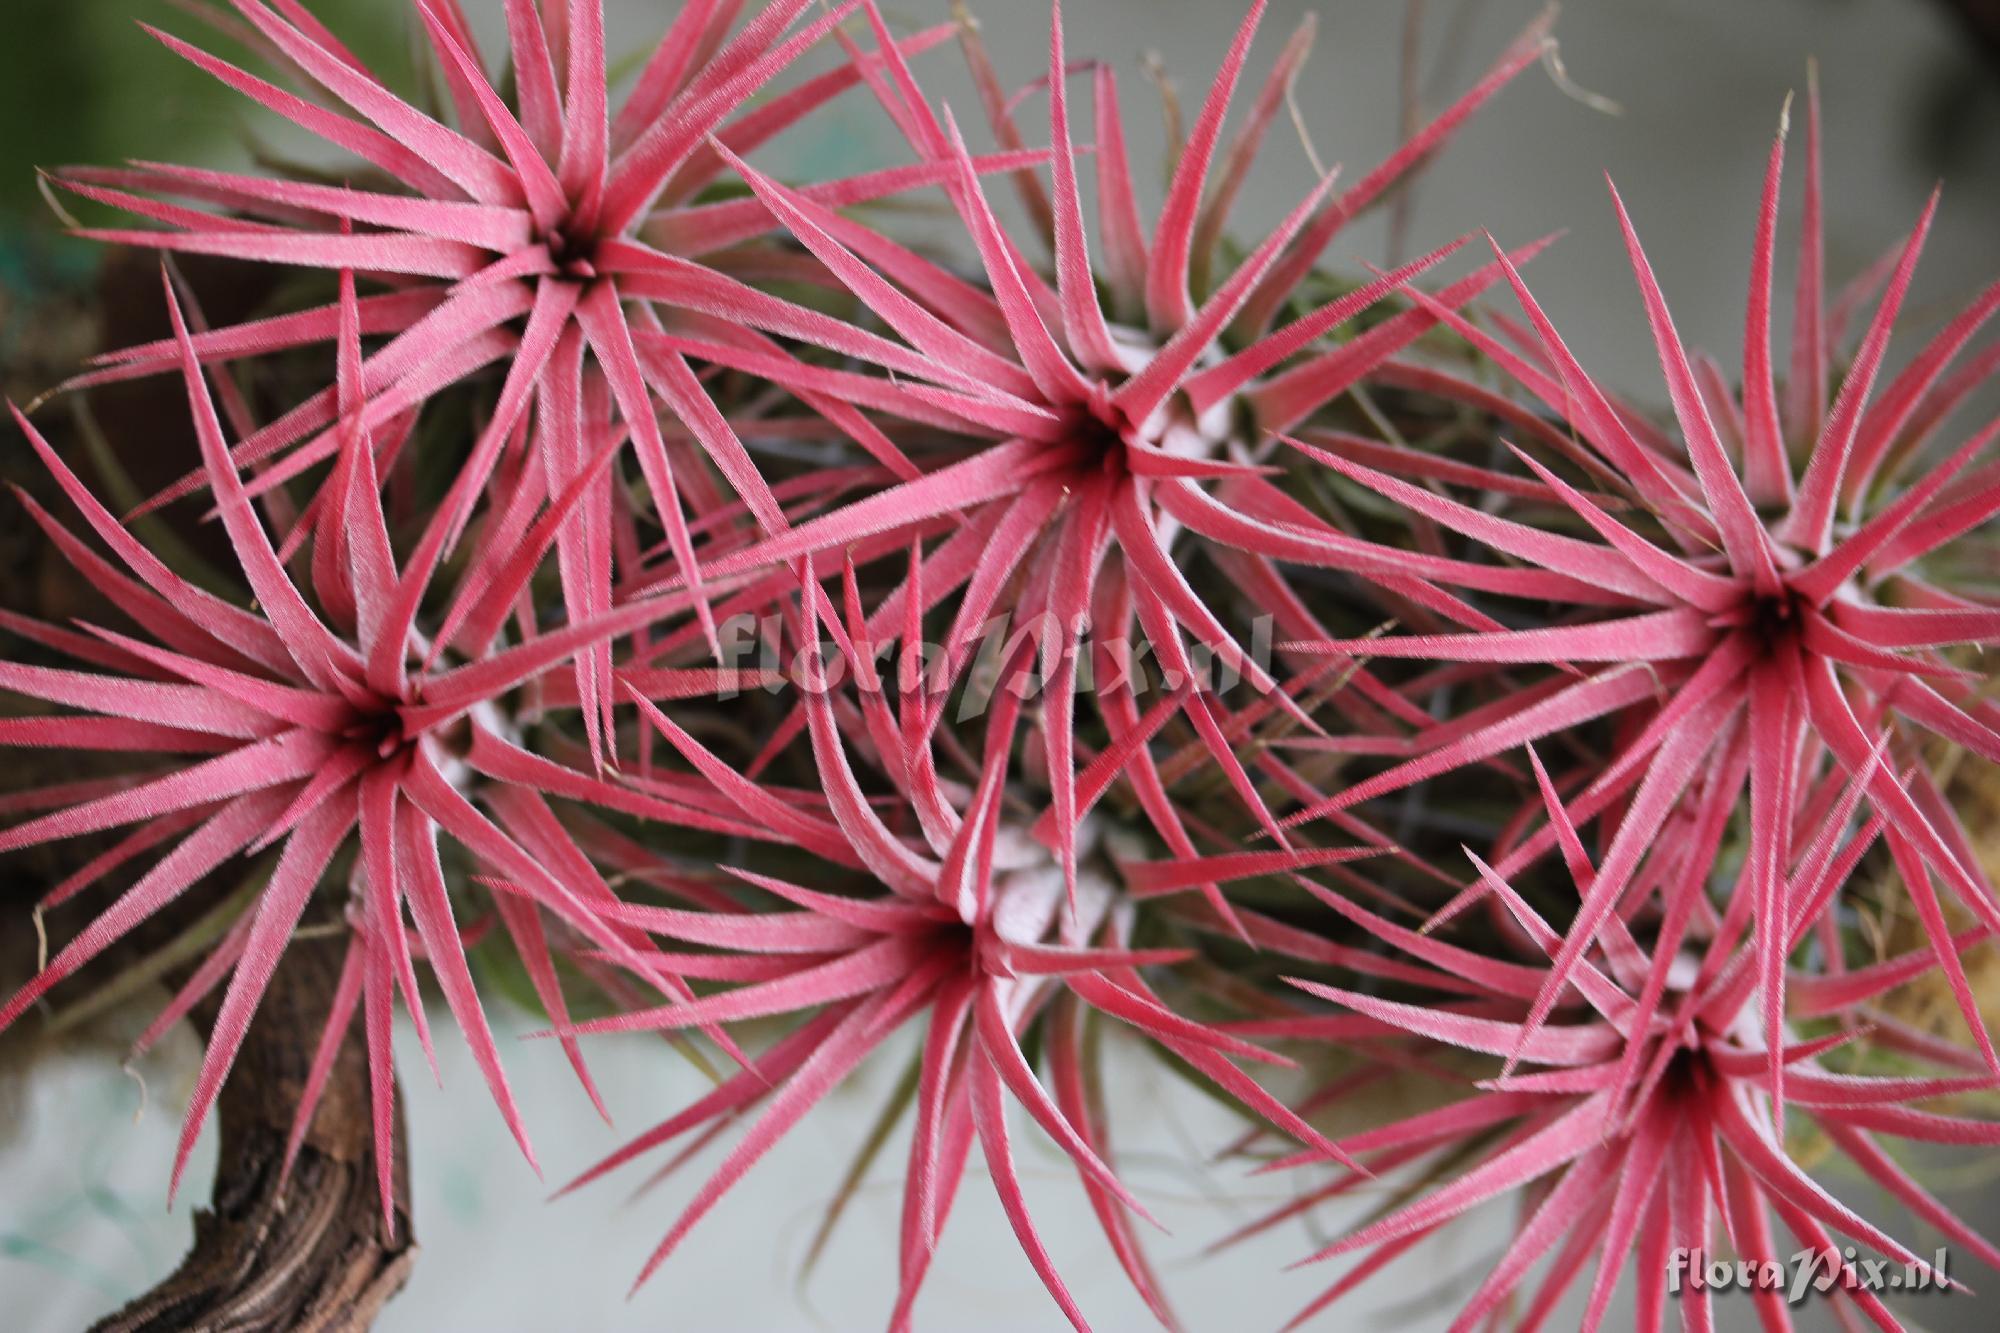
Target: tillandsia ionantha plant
{"type": "Point", "coordinates": [694, 575]}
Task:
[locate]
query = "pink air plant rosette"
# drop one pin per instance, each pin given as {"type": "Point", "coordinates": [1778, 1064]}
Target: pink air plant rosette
{"type": "Point", "coordinates": [812, 632]}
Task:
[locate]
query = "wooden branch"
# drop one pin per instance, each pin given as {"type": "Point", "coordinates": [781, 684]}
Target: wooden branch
{"type": "Point", "coordinates": [310, 1253]}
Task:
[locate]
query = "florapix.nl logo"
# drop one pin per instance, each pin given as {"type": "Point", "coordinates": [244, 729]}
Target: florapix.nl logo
{"type": "Point", "coordinates": [1811, 1271]}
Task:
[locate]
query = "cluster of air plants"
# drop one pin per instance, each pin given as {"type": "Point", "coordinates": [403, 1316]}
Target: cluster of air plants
{"type": "Point", "coordinates": [794, 633]}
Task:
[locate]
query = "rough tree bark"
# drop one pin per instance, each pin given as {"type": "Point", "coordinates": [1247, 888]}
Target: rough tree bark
{"type": "Point", "coordinates": [310, 1253]}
